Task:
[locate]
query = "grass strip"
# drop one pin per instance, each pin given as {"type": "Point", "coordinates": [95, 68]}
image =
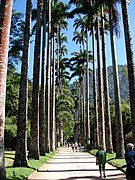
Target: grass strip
{"type": "Point", "coordinates": [21, 173]}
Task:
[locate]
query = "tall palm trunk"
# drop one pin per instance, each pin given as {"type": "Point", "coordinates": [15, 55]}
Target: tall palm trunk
{"type": "Point", "coordinates": [83, 108]}
{"type": "Point", "coordinates": [58, 82]}
{"type": "Point", "coordinates": [87, 97]}
{"type": "Point", "coordinates": [21, 143]}
{"type": "Point", "coordinates": [80, 127]}
{"type": "Point", "coordinates": [58, 59]}
{"type": "Point", "coordinates": [83, 101]}
{"type": "Point", "coordinates": [34, 140]}
{"type": "Point", "coordinates": [108, 131]}
{"type": "Point", "coordinates": [48, 80]}
{"type": "Point", "coordinates": [53, 129]}
{"type": "Point", "coordinates": [130, 63]}
{"type": "Point", "coordinates": [96, 131]}
{"type": "Point", "coordinates": [100, 93]}
{"type": "Point", "coordinates": [5, 22]}
{"type": "Point", "coordinates": [42, 91]}
{"type": "Point", "coordinates": [118, 112]}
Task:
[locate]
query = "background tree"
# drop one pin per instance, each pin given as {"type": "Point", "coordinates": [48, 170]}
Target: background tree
{"type": "Point", "coordinates": [114, 27]}
{"type": "Point", "coordinates": [130, 62]}
{"type": "Point", "coordinates": [34, 141]}
{"type": "Point", "coordinates": [42, 90]}
{"type": "Point", "coordinates": [21, 145]}
{"type": "Point", "coordinates": [64, 112]}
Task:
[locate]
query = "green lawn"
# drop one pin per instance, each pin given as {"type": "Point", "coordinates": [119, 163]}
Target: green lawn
{"type": "Point", "coordinates": [111, 159]}
{"type": "Point", "coordinates": [20, 173]}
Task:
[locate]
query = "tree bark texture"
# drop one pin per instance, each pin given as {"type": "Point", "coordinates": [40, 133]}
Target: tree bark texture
{"type": "Point", "coordinates": [34, 139]}
{"type": "Point", "coordinates": [5, 22]}
{"type": "Point", "coordinates": [118, 112]}
{"type": "Point", "coordinates": [100, 93]}
{"type": "Point", "coordinates": [130, 63]}
{"type": "Point", "coordinates": [48, 81]}
{"type": "Point", "coordinates": [42, 91]}
{"type": "Point", "coordinates": [108, 130]}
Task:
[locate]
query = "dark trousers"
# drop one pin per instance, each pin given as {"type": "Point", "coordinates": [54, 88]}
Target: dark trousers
{"type": "Point", "coordinates": [102, 168]}
{"type": "Point", "coordinates": [130, 177]}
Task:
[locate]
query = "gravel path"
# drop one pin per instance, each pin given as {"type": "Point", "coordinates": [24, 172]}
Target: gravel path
{"type": "Point", "coordinates": [74, 166]}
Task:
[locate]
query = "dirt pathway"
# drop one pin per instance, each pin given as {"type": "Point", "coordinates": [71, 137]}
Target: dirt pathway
{"type": "Point", "coordinates": [74, 166]}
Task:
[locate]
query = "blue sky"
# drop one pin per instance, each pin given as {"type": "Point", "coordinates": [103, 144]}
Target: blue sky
{"type": "Point", "coordinates": [71, 46]}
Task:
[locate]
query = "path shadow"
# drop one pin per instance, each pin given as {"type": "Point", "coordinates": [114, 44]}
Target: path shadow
{"type": "Point", "coordinates": [10, 158]}
{"type": "Point", "coordinates": [16, 178]}
{"type": "Point", "coordinates": [69, 162]}
{"type": "Point", "coordinates": [61, 157]}
{"type": "Point", "coordinates": [72, 170]}
{"type": "Point", "coordinates": [91, 178]}
{"type": "Point", "coordinates": [23, 167]}
{"type": "Point", "coordinates": [84, 177]}
{"type": "Point", "coordinates": [77, 155]}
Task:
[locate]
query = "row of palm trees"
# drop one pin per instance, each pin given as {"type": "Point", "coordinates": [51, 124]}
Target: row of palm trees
{"type": "Point", "coordinates": [45, 130]}
{"type": "Point", "coordinates": [40, 116]}
{"type": "Point", "coordinates": [96, 12]}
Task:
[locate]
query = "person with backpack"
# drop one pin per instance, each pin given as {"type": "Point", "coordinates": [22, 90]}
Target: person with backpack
{"type": "Point", "coordinates": [101, 160]}
{"type": "Point", "coordinates": [130, 161]}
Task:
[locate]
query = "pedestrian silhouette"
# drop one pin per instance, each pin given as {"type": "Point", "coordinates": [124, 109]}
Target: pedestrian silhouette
{"type": "Point", "coordinates": [101, 160]}
{"type": "Point", "coordinates": [130, 160]}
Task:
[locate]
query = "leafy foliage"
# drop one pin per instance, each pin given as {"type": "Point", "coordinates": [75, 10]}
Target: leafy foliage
{"type": "Point", "coordinates": [12, 92]}
{"type": "Point", "coordinates": [126, 121]}
{"type": "Point", "coordinates": [16, 38]}
{"type": "Point", "coordinates": [64, 112]}
{"type": "Point", "coordinates": [12, 97]}
{"type": "Point", "coordinates": [10, 132]}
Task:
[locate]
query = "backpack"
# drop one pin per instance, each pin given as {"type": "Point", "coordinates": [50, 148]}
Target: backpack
{"type": "Point", "coordinates": [101, 157]}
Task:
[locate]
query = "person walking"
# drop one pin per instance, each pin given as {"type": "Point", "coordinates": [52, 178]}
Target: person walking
{"type": "Point", "coordinates": [76, 146]}
{"type": "Point", "coordinates": [73, 146]}
{"type": "Point", "coordinates": [101, 160]}
{"type": "Point", "coordinates": [79, 145]}
{"type": "Point", "coordinates": [130, 161]}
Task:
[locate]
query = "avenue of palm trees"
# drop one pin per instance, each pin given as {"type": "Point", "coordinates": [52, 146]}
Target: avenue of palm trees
{"type": "Point", "coordinates": [59, 111]}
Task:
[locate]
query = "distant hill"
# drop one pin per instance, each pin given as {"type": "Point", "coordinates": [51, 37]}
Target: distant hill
{"type": "Point", "coordinates": [123, 82]}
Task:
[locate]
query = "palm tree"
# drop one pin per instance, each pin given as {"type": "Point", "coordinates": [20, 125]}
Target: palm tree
{"type": "Point", "coordinates": [100, 91]}
{"type": "Point", "coordinates": [80, 69]}
{"type": "Point", "coordinates": [86, 8]}
{"type": "Point", "coordinates": [113, 18]}
{"type": "Point", "coordinates": [59, 13]}
{"type": "Point", "coordinates": [96, 135]}
{"type": "Point", "coordinates": [5, 22]}
{"type": "Point", "coordinates": [130, 63]}
{"type": "Point", "coordinates": [21, 144]}
{"type": "Point", "coordinates": [113, 21]}
{"type": "Point", "coordinates": [48, 79]}
{"type": "Point", "coordinates": [61, 50]}
{"type": "Point", "coordinates": [64, 111]}
{"type": "Point", "coordinates": [108, 132]}
{"type": "Point", "coordinates": [34, 141]}
{"type": "Point", "coordinates": [63, 76]}
{"type": "Point", "coordinates": [42, 91]}
{"type": "Point", "coordinates": [83, 38]}
{"type": "Point", "coordinates": [87, 94]}
{"type": "Point", "coordinates": [53, 113]}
